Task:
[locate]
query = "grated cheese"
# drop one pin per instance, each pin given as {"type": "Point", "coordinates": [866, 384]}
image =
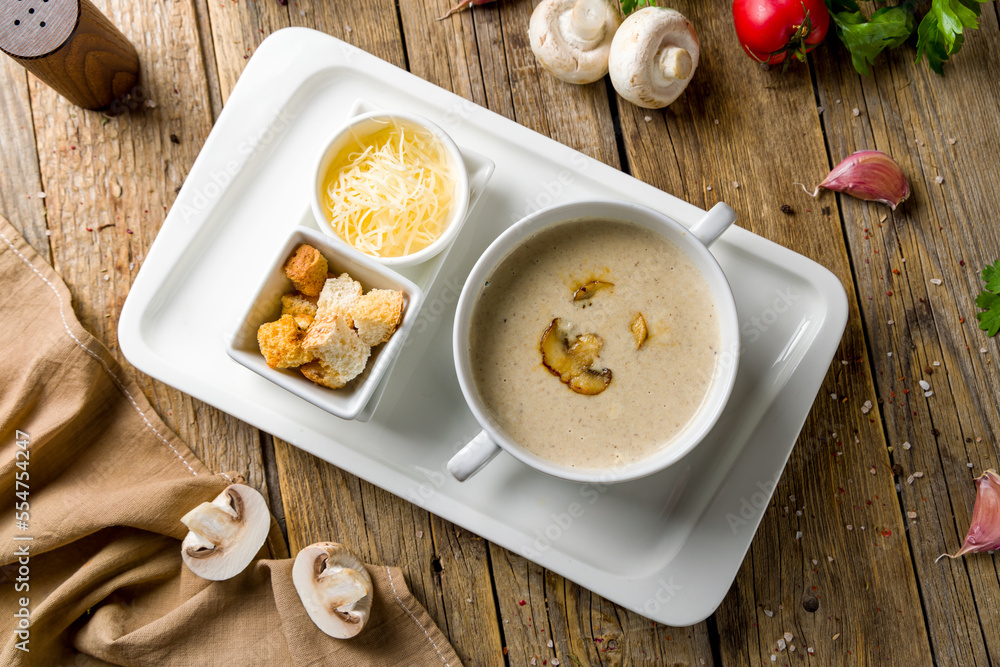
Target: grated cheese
{"type": "Point", "coordinates": [391, 194]}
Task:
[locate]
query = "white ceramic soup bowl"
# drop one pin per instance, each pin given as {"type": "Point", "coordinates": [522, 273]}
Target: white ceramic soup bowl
{"type": "Point", "coordinates": [694, 242]}
{"type": "Point", "coordinates": [364, 125]}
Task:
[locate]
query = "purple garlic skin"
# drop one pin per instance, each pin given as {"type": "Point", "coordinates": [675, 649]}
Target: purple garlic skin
{"type": "Point", "coordinates": [869, 175]}
{"type": "Point", "coordinates": [984, 533]}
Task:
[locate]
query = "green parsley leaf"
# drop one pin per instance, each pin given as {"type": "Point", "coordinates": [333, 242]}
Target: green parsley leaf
{"type": "Point", "coordinates": [941, 32]}
{"type": "Point", "coordinates": [886, 29]}
{"type": "Point", "coordinates": [629, 6]}
{"type": "Point", "coordinates": [989, 300]}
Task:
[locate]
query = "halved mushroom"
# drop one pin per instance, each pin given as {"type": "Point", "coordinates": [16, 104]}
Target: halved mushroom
{"type": "Point", "coordinates": [225, 534]}
{"type": "Point", "coordinates": [335, 588]}
{"type": "Point", "coordinates": [572, 363]}
{"type": "Point", "coordinates": [639, 331]}
{"type": "Point", "coordinates": [572, 38]}
{"type": "Point", "coordinates": [653, 57]}
{"type": "Point", "coordinates": [589, 289]}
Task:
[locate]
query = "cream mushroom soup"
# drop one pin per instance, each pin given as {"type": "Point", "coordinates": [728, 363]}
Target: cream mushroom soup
{"type": "Point", "coordinates": [594, 343]}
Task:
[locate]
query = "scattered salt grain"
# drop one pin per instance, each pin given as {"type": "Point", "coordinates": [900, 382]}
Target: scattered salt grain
{"type": "Point", "coordinates": [837, 101]}
{"type": "Point", "coordinates": [420, 534]}
{"type": "Point", "coordinates": [939, 179]}
{"type": "Point", "coordinates": [716, 121]}
{"type": "Point", "coordinates": [736, 185]}
{"type": "Point", "coordinates": [131, 265]}
{"type": "Point", "coordinates": [911, 514]}
{"type": "Point", "coordinates": [647, 118]}
{"type": "Point", "coordinates": [928, 394]}
{"type": "Point", "coordinates": [709, 188]}
{"type": "Point", "coordinates": [810, 650]}
{"type": "Point", "coordinates": [48, 232]}
{"type": "Point", "coordinates": [844, 362]}
{"type": "Point", "coordinates": [151, 104]}
{"type": "Point", "coordinates": [347, 28]}
{"type": "Point", "coordinates": [936, 363]}
{"type": "Point", "coordinates": [836, 636]}
{"type": "Point", "coordinates": [107, 277]}
{"type": "Point", "coordinates": [866, 408]}
{"type": "Point", "coordinates": [856, 111]}
{"type": "Point", "coordinates": [798, 512]}
{"type": "Point", "coordinates": [549, 643]}
{"type": "Point", "coordinates": [555, 662]}
{"type": "Point", "coordinates": [830, 558]}
{"type": "Point", "coordinates": [872, 470]}
{"type": "Point", "coordinates": [798, 534]}
{"type": "Point", "coordinates": [789, 636]}
{"type": "Point", "coordinates": [815, 562]}
{"type": "Point", "coordinates": [791, 648]}
{"type": "Point", "coordinates": [40, 195]}
{"type": "Point", "coordinates": [936, 281]}
{"type": "Point", "coordinates": [968, 465]}
{"type": "Point", "coordinates": [774, 658]}
{"type": "Point", "coordinates": [890, 354]}
{"type": "Point", "coordinates": [918, 475]}
{"type": "Point", "coordinates": [820, 109]}
{"type": "Point", "coordinates": [907, 445]}
{"type": "Point", "coordinates": [952, 141]}
{"type": "Point", "coordinates": [833, 396]}
{"type": "Point", "coordinates": [891, 322]}
{"type": "Point", "coordinates": [768, 613]}
{"type": "Point", "coordinates": [781, 644]}
{"type": "Point", "coordinates": [850, 527]}
{"type": "Point", "coordinates": [925, 385]}
{"type": "Point", "coordinates": [982, 350]}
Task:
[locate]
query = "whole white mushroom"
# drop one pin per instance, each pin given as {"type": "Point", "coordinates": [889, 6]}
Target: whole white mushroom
{"type": "Point", "coordinates": [572, 38]}
{"type": "Point", "coordinates": [653, 57]}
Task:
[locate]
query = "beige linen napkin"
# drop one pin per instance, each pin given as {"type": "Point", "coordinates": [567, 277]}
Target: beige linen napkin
{"type": "Point", "coordinates": [96, 562]}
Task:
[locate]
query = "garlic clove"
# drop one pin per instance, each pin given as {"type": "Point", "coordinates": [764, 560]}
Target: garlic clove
{"type": "Point", "coordinates": [984, 533]}
{"type": "Point", "coordinates": [868, 175]}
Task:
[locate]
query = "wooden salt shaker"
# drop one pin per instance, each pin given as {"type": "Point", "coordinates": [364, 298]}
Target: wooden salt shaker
{"type": "Point", "coordinates": [72, 47]}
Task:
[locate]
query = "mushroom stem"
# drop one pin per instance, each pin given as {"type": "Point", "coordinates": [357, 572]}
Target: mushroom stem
{"type": "Point", "coordinates": [211, 522]}
{"type": "Point", "coordinates": [588, 17]}
{"type": "Point", "coordinates": [675, 63]}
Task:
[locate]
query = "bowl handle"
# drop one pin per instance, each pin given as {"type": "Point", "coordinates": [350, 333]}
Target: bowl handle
{"type": "Point", "coordinates": [712, 224]}
{"type": "Point", "coordinates": [473, 456]}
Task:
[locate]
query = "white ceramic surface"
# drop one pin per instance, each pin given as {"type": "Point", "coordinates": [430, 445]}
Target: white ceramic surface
{"type": "Point", "coordinates": [265, 306]}
{"type": "Point", "coordinates": [694, 242]}
{"type": "Point", "coordinates": [366, 123]}
{"type": "Point", "coordinates": [667, 546]}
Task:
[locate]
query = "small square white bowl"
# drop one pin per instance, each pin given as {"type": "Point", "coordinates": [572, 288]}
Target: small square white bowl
{"type": "Point", "coordinates": [348, 401]}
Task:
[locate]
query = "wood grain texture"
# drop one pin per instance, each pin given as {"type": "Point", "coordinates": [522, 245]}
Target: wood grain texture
{"type": "Point", "coordinates": [95, 67]}
{"type": "Point", "coordinates": [20, 181]}
{"type": "Point", "coordinates": [109, 182]}
{"type": "Point", "coordinates": [936, 128]}
{"type": "Point", "coordinates": [828, 503]}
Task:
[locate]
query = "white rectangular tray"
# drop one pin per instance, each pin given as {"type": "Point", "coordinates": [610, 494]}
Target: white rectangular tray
{"type": "Point", "coordinates": [668, 546]}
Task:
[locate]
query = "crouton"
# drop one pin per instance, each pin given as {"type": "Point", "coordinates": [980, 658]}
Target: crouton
{"type": "Point", "coordinates": [322, 375]}
{"type": "Point", "coordinates": [376, 315]}
{"type": "Point", "coordinates": [334, 343]}
{"type": "Point", "coordinates": [337, 296]}
{"type": "Point", "coordinates": [306, 268]}
{"type": "Point", "coordinates": [299, 306]}
{"type": "Point", "coordinates": [281, 343]}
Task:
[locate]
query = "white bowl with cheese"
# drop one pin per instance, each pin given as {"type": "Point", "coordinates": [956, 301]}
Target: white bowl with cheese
{"type": "Point", "coordinates": [391, 185]}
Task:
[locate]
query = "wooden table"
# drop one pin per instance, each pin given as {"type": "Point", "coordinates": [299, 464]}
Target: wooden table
{"type": "Point", "coordinates": [837, 529]}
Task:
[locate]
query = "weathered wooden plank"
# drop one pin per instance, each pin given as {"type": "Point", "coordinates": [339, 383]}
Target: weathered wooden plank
{"type": "Point", "coordinates": [935, 127]}
{"type": "Point", "coordinates": [109, 182]}
{"type": "Point", "coordinates": [20, 182]}
{"type": "Point", "coordinates": [739, 124]}
{"type": "Point", "coordinates": [575, 621]}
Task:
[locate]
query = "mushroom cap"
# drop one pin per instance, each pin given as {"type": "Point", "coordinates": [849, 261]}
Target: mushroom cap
{"type": "Point", "coordinates": [648, 42]}
{"type": "Point", "coordinates": [561, 51]}
{"type": "Point", "coordinates": [335, 588]}
{"type": "Point", "coordinates": [225, 534]}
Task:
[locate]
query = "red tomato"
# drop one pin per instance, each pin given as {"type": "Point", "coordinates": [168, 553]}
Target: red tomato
{"type": "Point", "coordinates": [769, 30]}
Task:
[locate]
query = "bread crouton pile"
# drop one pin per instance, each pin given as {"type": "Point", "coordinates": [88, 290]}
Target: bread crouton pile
{"type": "Point", "coordinates": [328, 326]}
